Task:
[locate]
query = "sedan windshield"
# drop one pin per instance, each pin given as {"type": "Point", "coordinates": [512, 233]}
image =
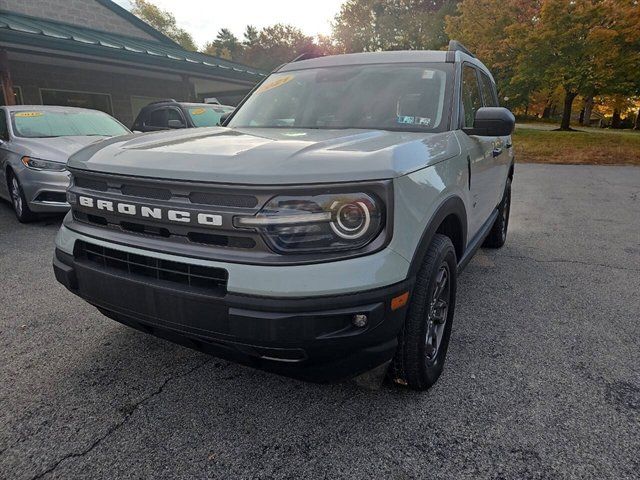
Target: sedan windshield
{"type": "Point", "coordinates": [207, 116]}
{"type": "Point", "coordinates": [407, 97]}
{"type": "Point", "coordinates": [60, 123]}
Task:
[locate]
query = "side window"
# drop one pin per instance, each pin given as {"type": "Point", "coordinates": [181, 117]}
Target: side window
{"type": "Point", "coordinates": [174, 114]}
{"type": "Point", "coordinates": [471, 99]}
{"type": "Point", "coordinates": [488, 92]}
{"type": "Point", "coordinates": [157, 118]}
{"type": "Point", "coordinates": [4, 131]}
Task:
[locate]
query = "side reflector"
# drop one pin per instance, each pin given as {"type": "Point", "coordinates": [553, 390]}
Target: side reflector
{"type": "Point", "coordinates": [399, 301]}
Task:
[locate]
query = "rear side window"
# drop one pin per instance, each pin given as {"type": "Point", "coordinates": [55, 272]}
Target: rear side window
{"type": "Point", "coordinates": [488, 92]}
{"type": "Point", "coordinates": [471, 99]}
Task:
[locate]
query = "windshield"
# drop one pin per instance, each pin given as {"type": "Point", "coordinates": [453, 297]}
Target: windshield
{"type": "Point", "coordinates": [407, 97]}
{"type": "Point", "coordinates": [60, 123]}
{"type": "Point", "coordinates": [208, 116]}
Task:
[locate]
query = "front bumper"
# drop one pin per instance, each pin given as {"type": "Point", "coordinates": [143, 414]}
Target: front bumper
{"type": "Point", "coordinates": [45, 191]}
{"type": "Point", "coordinates": [311, 338]}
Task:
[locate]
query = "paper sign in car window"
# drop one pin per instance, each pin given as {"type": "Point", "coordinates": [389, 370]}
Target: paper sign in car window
{"type": "Point", "coordinates": [278, 82]}
{"type": "Point", "coordinates": [197, 111]}
{"type": "Point", "coordinates": [29, 114]}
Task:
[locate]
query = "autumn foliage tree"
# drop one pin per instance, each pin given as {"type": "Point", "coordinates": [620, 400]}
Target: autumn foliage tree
{"type": "Point", "coordinates": [163, 21]}
{"type": "Point", "coordinates": [578, 46]}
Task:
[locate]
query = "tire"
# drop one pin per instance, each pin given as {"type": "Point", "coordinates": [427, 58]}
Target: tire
{"type": "Point", "coordinates": [424, 339]}
{"type": "Point", "coordinates": [498, 234]}
{"type": "Point", "coordinates": [18, 200]}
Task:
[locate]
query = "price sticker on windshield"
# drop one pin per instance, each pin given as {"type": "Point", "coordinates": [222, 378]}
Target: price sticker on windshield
{"type": "Point", "coordinates": [275, 83]}
{"type": "Point", "coordinates": [29, 114]}
{"type": "Point", "coordinates": [197, 111]}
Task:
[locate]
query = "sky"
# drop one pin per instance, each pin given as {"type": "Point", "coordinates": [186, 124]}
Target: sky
{"type": "Point", "coordinates": [203, 18]}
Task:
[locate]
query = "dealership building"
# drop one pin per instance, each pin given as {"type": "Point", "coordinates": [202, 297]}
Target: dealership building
{"type": "Point", "coordinates": [95, 54]}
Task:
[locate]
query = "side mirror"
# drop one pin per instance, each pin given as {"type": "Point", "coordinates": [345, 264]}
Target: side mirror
{"type": "Point", "coordinates": [224, 118]}
{"type": "Point", "coordinates": [175, 124]}
{"type": "Point", "coordinates": [492, 122]}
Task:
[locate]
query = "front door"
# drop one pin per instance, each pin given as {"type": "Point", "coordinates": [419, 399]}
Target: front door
{"type": "Point", "coordinates": [480, 151]}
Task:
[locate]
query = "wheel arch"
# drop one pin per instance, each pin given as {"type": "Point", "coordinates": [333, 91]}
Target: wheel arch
{"type": "Point", "coordinates": [449, 219]}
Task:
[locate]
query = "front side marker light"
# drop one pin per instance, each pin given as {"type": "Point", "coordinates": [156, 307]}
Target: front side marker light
{"type": "Point", "coordinates": [399, 301]}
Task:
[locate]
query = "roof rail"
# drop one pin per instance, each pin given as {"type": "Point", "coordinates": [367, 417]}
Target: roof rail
{"type": "Point", "coordinates": [307, 56]}
{"type": "Point", "coordinates": [165, 100]}
{"type": "Point", "coordinates": [456, 46]}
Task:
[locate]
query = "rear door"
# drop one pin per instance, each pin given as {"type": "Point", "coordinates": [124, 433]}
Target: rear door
{"type": "Point", "coordinates": [479, 151]}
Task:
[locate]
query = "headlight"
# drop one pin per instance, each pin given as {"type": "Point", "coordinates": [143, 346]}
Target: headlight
{"type": "Point", "coordinates": [320, 223]}
{"type": "Point", "coordinates": [38, 164]}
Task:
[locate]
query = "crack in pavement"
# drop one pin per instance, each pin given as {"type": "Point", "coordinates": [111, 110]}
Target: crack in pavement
{"type": "Point", "coordinates": [579, 262]}
{"type": "Point", "coordinates": [130, 411]}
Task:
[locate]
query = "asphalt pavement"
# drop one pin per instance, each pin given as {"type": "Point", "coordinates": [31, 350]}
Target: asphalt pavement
{"type": "Point", "coordinates": [542, 377]}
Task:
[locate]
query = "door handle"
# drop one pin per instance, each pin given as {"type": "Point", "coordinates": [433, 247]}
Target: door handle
{"type": "Point", "coordinates": [496, 152]}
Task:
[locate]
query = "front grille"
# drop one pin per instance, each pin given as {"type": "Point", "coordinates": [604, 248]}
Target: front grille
{"type": "Point", "coordinates": [240, 201]}
{"type": "Point", "coordinates": [91, 184]}
{"type": "Point", "coordinates": [181, 193]}
{"type": "Point", "coordinates": [146, 192]}
{"type": "Point", "coordinates": [142, 266]}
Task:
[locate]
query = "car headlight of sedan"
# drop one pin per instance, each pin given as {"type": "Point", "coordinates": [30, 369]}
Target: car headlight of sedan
{"type": "Point", "coordinates": [39, 164]}
{"type": "Point", "coordinates": [318, 223]}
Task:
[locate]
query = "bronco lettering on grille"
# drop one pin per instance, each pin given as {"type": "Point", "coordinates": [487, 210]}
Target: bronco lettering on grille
{"type": "Point", "coordinates": [145, 211]}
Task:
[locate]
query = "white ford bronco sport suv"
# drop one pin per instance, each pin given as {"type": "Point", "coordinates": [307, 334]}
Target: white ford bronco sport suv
{"type": "Point", "coordinates": [318, 233]}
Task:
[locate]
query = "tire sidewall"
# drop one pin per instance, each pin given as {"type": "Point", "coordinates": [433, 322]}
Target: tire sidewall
{"type": "Point", "coordinates": [431, 369]}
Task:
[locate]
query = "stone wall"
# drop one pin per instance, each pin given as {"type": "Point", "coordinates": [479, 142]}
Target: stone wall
{"type": "Point", "coordinates": [84, 13]}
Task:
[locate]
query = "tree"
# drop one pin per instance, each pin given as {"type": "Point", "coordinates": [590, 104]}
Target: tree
{"type": "Point", "coordinates": [163, 21]}
{"type": "Point", "coordinates": [487, 28]}
{"type": "Point", "coordinates": [275, 45]}
{"type": "Point", "coordinates": [372, 25]}
{"type": "Point", "coordinates": [226, 45]}
{"type": "Point", "coordinates": [571, 45]}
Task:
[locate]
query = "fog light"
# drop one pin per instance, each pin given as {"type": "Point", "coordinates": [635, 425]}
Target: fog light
{"type": "Point", "coordinates": [359, 320]}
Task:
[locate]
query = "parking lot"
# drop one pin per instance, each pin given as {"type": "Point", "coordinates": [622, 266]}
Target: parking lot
{"type": "Point", "coordinates": [542, 379]}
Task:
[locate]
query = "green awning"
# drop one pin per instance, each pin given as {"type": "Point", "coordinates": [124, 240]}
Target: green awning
{"type": "Point", "coordinates": [27, 31]}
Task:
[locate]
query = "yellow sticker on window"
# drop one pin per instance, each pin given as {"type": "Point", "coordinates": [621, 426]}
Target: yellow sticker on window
{"type": "Point", "coordinates": [275, 83]}
{"type": "Point", "coordinates": [197, 111]}
{"type": "Point", "coordinates": [29, 114]}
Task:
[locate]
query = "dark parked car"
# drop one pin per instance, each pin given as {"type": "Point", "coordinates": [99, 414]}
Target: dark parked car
{"type": "Point", "coordinates": [170, 114]}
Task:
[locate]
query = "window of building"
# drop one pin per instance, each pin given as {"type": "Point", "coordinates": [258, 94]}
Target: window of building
{"type": "Point", "coordinates": [67, 98]}
{"type": "Point", "coordinates": [17, 93]}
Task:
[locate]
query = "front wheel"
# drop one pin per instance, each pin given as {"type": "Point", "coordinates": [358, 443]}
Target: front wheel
{"type": "Point", "coordinates": [423, 342]}
{"type": "Point", "coordinates": [498, 234]}
{"type": "Point", "coordinates": [18, 200]}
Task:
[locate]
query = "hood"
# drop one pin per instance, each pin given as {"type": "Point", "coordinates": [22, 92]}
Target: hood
{"type": "Point", "coordinates": [268, 155]}
{"type": "Point", "coordinates": [57, 149]}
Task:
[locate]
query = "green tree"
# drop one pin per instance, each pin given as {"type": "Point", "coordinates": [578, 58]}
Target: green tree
{"type": "Point", "coordinates": [226, 42]}
{"type": "Point", "coordinates": [275, 45]}
{"type": "Point", "coordinates": [163, 21]}
{"type": "Point", "coordinates": [487, 28]}
{"type": "Point", "coordinates": [372, 25]}
{"type": "Point", "coordinates": [571, 45]}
